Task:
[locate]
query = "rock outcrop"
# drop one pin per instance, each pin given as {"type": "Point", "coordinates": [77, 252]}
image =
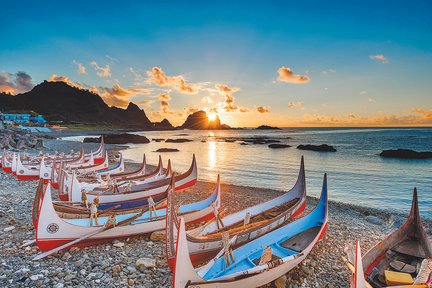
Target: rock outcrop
{"type": "Point", "coordinates": [200, 121]}
{"type": "Point", "coordinates": [59, 101]}
{"type": "Point", "coordinates": [406, 154]}
{"type": "Point", "coordinates": [319, 148]}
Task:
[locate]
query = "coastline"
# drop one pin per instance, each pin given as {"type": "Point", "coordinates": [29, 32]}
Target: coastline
{"type": "Point", "coordinates": [111, 266]}
{"type": "Point", "coordinates": [108, 265]}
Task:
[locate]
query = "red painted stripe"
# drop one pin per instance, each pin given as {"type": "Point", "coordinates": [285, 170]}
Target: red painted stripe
{"type": "Point", "coordinates": [186, 185]}
{"type": "Point", "coordinates": [27, 177]}
{"type": "Point", "coordinates": [299, 211]}
{"type": "Point", "coordinates": [7, 169]}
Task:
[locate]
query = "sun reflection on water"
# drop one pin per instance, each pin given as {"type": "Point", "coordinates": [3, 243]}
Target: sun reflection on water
{"type": "Point", "coordinates": [212, 155]}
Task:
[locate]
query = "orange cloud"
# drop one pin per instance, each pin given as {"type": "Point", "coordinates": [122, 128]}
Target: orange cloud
{"type": "Point", "coordinates": [295, 104]}
{"type": "Point", "coordinates": [350, 119]}
{"type": "Point", "coordinates": [15, 83]}
{"type": "Point", "coordinates": [119, 96]}
{"type": "Point", "coordinates": [379, 57]}
{"type": "Point", "coordinates": [229, 103]}
{"type": "Point", "coordinates": [101, 71]}
{"type": "Point", "coordinates": [263, 109]}
{"type": "Point", "coordinates": [287, 75]}
{"type": "Point", "coordinates": [244, 110]}
{"type": "Point", "coordinates": [427, 114]}
{"type": "Point", "coordinates": [81, 68]}
{"type": "Point", "coordinates": [59, 78]}
{"type": "Point", "coordinates": [113, 96]}
{"type": "Point", "coordinates": [164, 102]}
{"type": "Point", "coordinates": [158, 77]}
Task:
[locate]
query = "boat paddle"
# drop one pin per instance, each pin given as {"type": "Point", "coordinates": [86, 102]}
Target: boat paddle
{"type": "Point", "coordinates": [73, 242]}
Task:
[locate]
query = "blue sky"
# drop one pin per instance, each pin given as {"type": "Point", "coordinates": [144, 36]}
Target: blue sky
{"type": "Point", "coordinates": [368, 63]}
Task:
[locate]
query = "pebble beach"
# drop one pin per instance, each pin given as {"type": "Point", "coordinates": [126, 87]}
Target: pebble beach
{"type": "Point", "coordinates": [140, 261]}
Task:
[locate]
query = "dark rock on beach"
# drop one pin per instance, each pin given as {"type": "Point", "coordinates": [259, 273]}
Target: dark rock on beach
{"type": "Point", "coordinates": [123, 138]}
{"type": "Point", "coordinates": [266, 127]}
{"type": "Point", "coordinates": [319, 148]}
{"type": "Point", "coordinates": [278, 146]}
{"type": "Point", "coordinates": [180, 140]}
{"type": "Point", "coordinates": [158, 139]}
{"type": "Point", "coordinates": [405, 154]}
{"type": "Point", "coordinates": [167, 150]}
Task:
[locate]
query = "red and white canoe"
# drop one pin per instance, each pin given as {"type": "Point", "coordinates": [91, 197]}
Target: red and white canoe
{"type": "Point", "coordinates": [205, 242]}
{"type": "Point", "coordinates": [71, 185]}
{"type": "Point", "coordinates": [53, 231]}
{"type": "Point", "coordinates": [406, 251]}
{"type": "Point", "coordinates": [142, 191]}
{"type": "Point", "coordinates": [32, 171]}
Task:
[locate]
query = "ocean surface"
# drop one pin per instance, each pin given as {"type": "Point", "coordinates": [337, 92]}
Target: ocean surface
{"type": "Point", "coordinates": [356, 174]}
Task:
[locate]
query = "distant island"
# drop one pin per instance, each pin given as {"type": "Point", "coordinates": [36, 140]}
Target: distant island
{"type": "Point", "coordinates": [62, 103]}
{"type": "Point", "coordinates": [266, 127]}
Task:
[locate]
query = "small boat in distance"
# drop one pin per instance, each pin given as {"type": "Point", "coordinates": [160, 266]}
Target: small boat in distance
{"type": "Point", "coordinates": [402, 259]}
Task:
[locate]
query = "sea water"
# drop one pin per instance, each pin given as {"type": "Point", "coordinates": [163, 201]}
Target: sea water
{"type": "Point", "coordinates": [356, 172]}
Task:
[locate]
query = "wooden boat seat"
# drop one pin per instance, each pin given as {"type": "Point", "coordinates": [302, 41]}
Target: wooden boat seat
{"type": "Point", "coordinates": [400, 266]}
{"type": "Point", "coordinates": [302, 240]}
{"type": "Point", "coordinates": [411, 247]}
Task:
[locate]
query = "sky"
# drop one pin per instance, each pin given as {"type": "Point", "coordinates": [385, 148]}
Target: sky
{"type": "Point", "coordinates": [282, 63]}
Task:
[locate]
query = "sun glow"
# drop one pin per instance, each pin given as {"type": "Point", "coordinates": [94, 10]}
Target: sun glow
{"type": "Point", "coordinates": [212, 116]}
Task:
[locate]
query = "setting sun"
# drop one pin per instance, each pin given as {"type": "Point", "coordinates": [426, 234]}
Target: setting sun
{"type": "Point", "coordinates": [212, 116]}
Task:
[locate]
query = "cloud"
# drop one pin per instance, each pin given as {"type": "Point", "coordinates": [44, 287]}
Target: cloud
{"type": "Point", "coordinates": [81, 68]}
{"type": "Point", "coordinates": [364, 93]}
{"type": "Point", "coordinates": [158, 77]}
{"type": "Point", "coordinates": [328, 71]}
{"type": "Point", "coordinates": [59, 78]}
{"type": "Point", "coordinates": [295, 104]}
{"type": "Point", "coordinates": [119, 96]}
{"type": "Point", "coordinates": [244, 109]}
{"type": "Point", "coordinates": [164, 102]}
{"type": "Point", "coordinates": [263, 109]}
{"type": "Point", "coordinates": [101, 71]}
{"type": "Point", "coordinates": [15, 83]}
{"type": "Point", "coordinates": [421, 117]}
{"type": "Point", "coordinates": [112, 59]}
{"type": "Point", "coordinates": [113, 96]}
{"type": "Point", "coordinates": [207, 100]}
{"type": "Point", "coordinates": [427, 114]}
{"type": "Point", "coordinates": [287, 75]}
{"type": "Point", "coordinates": [229, 103]}
{"type": "Point", "coordinates": [371, 100]}
{"type": "Point", "coordinates": [379, 57]}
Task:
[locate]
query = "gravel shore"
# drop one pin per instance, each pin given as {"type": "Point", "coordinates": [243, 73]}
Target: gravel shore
{"type": "Point", "coordinates": [115, 264]}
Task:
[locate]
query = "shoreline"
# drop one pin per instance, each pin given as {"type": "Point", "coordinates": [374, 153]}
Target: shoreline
{"type": "Point", "coordinates": [108, 265]}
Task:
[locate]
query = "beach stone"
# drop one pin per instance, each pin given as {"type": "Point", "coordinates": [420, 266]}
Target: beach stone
{"type": "Point", "coordinates": [281, 282]}
{"type": "Point", "coordinates": [10, 228]}
{"type": "Point", "coordinates": [374, 220]}
{"type": "Point", "coordinates": [131, 282]}
{"type": "Point", "coordinates": [69, 277]}
{"type": "Point", "coordinates": [158, 236]}
{"type": "Point", "coordinates": [118, 244]}
{"type": "Point", "coordinates": [116, 269]}
{"type": "Point", "coordinates": [146, 262]}
{"type": "Point", "coordinates": [35, 277]}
